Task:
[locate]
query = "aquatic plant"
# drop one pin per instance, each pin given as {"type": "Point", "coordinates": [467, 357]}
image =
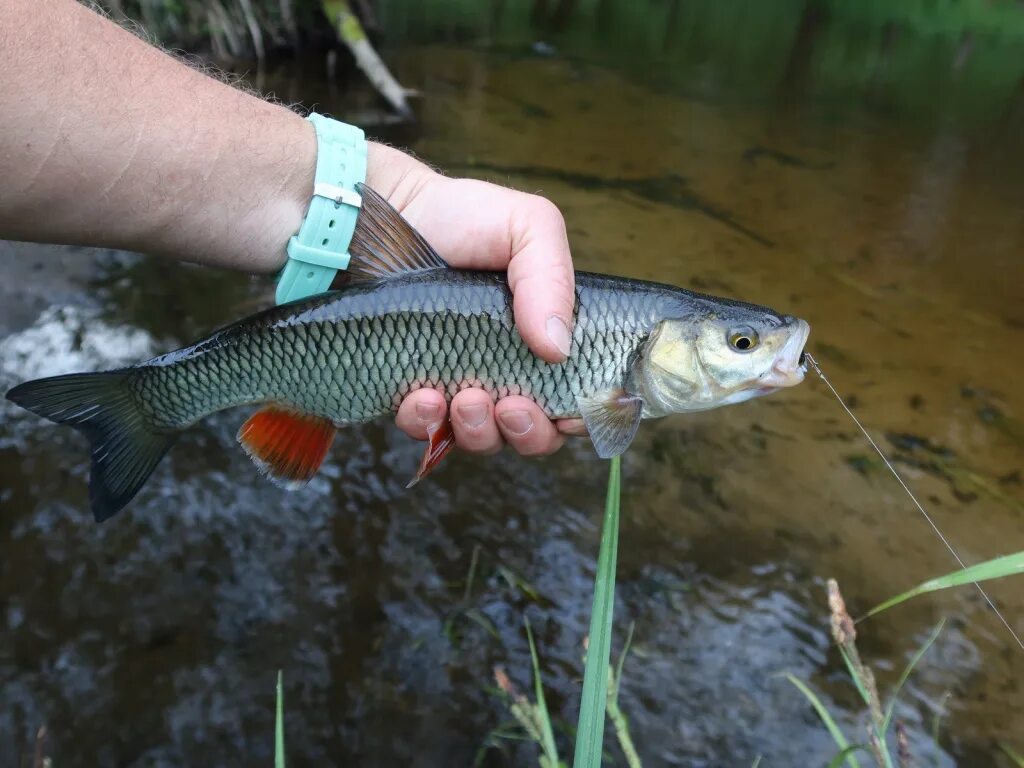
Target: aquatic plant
{"type": "Point", "coordinates": [845, 636]}
{"type": "Point", "coordinates": [590, 731]}
{"type": "Point", "coordinates": [881, 721]}
{"type": "Point", "coordinates": [535, 721]}
{"type": "Point", "coordinates": [1008, 565]}
{"type": "Point", "coordinates": [1009, 751]}
{"type": "Point", "coordinates": [602, 682]}
{"type": "Point", "coordinates": [279, 723]}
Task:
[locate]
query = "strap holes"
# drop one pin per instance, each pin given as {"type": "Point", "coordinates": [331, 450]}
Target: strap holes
{"type": "Point", "coordinates": [309, 275]}
{"type": "Point", "coordinates": [330, 223]}
{"type": "Point", "coordinates": [324, 241]}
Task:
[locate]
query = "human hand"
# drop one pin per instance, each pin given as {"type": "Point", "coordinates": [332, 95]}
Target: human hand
{"type": "Point", "coordinates": [126, 137]}
{"type": "Point", "coordinates": [476, 225]}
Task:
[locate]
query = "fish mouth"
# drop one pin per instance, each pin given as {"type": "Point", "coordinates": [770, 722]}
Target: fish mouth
{"type": "Point", "coordinates": [791, 363]}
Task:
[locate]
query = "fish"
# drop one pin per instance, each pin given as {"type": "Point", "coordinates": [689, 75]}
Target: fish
{"type": "Point", "coordinates": [407, 320]}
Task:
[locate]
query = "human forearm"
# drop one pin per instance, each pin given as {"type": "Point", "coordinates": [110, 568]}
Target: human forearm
{"type": "Point", "coordinates": [107, 141]}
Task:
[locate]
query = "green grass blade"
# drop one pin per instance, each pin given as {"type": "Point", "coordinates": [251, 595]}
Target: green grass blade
{"type": "Point", "coordinates": [757, 762]}
{"type": "Point", "coordinates": [866, 697]}
{"type": "Point", "coordinates": [590, 730]}
{"type": "Point", "coordinates": [1008, 565]}
{"type": "Point", "coordinates": [547, 735]}
{"type": "Point", "coordinates": [622, 661]}
{"type": "Point", "coordinates": [827, 719]}
{"type": "Point", "coordinates": [841, 756]}
{"type": "Point", "coordinates": [618, 719]}
{"type": "Point", "coordinates": [1010, 753]}
{"type": "Point", "coordinates": [279, 723]}
{"type": "Point", "coordinates": [937, 722]}
{"type": "Point", "coordinates": [854, 676]}
{"type": "Point", "coordinates": [481, 620]}
{"type": "Point", "coordinates": [906, 674]}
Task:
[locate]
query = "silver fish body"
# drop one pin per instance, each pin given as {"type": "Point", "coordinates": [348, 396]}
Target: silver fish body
{"type": "Point", "coordinates": [351, 356]}
{"type": "Point", "coordinates": [409, 321]}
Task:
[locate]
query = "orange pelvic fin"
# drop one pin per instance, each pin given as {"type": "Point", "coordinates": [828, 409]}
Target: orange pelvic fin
{"type": "Point", "coordinates": [288, 446]}
{"type": "Point", "coordinates": [441, 440]}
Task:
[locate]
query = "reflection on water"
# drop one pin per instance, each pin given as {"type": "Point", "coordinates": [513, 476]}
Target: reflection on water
{"type": "Point", "coordinates": [921, 61]}
{"type": "Point", "coordinates": [154, 640]}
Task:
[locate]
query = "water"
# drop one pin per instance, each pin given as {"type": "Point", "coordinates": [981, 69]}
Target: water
{"type": "Point", "coordinates": [155, 639]}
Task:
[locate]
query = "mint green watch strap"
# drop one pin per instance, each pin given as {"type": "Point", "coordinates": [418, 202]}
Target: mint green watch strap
{"type": "Point", "coordinates": [320, 248]}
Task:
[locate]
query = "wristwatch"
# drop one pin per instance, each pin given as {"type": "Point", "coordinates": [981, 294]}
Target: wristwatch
{"type": "Point", "coordinates": [320, 248]}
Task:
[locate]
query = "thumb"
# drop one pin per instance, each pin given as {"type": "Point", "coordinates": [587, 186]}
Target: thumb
{"type": "Point", "coordinates": [541, 277]}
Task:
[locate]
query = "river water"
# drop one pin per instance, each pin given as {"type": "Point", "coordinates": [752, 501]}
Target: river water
{"type": "Point", "coordinates": [155, 639]}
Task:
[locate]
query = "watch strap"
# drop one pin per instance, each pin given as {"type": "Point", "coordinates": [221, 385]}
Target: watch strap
{"type": "Point", "coordinates": [320, 248]}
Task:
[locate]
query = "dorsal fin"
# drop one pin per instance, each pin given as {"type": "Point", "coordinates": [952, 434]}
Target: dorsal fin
{"type": "Point", "coordinates": [385, 245]}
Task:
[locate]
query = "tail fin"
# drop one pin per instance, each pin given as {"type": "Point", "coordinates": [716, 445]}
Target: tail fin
{"type": "Point", "coordinates": [125, 449]}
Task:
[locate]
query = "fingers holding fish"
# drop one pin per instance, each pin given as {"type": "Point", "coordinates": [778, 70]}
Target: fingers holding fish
{"type": "Point", "coordinates": [420, 412]}
{"type": "Point", "coordinates": [482, 427]}
{"type": "Point", "coordinates": [472, 415]}
{"type": "Point", "coordinates": [525, 427]}
{"type": "Point", "coordinates": [572, 427]}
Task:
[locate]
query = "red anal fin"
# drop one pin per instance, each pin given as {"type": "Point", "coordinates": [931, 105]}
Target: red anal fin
{"type": "Point", "coordinates": [288, 446]}
{"type": "Point", "coordinates": [441, 440]}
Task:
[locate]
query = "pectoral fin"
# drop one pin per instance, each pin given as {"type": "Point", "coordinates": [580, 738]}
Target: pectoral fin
{"type": "Point", "coordinates": [612, 420]}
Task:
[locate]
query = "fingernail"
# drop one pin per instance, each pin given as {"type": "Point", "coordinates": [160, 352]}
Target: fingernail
{"type": "Point", "coordinates": [558, 333]}
{"type": "Point", "coordinates": [517, 422]}
{"type": "Point", "coordinates": [428, 412]}
{"type": "Point", "coordinates": [473, 415]}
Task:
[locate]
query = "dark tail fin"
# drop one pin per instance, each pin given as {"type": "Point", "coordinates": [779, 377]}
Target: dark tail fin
{"type": "Point", "coordinates": [125, 449]}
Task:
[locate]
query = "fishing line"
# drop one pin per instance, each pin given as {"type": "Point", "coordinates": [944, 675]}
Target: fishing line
{"type": "Point", "coordinates": [814, 364]}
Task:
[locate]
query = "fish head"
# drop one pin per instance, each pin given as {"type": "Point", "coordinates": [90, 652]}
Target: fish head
{"type": "Point", "coordinates": [724, 353]}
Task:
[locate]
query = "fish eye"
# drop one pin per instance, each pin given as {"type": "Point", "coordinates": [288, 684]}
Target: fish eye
{"type": "Point", "coordinates": [743, 339]}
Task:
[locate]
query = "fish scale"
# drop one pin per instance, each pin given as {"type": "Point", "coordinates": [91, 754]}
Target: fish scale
{"type": "Point", "coordinates": [352, 356]}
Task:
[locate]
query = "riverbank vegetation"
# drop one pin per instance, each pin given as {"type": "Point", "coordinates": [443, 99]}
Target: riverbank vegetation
{"type": "Point", "coordinates": [230, 29]}
{"type": "Point", "coordinates": [916, 57]}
